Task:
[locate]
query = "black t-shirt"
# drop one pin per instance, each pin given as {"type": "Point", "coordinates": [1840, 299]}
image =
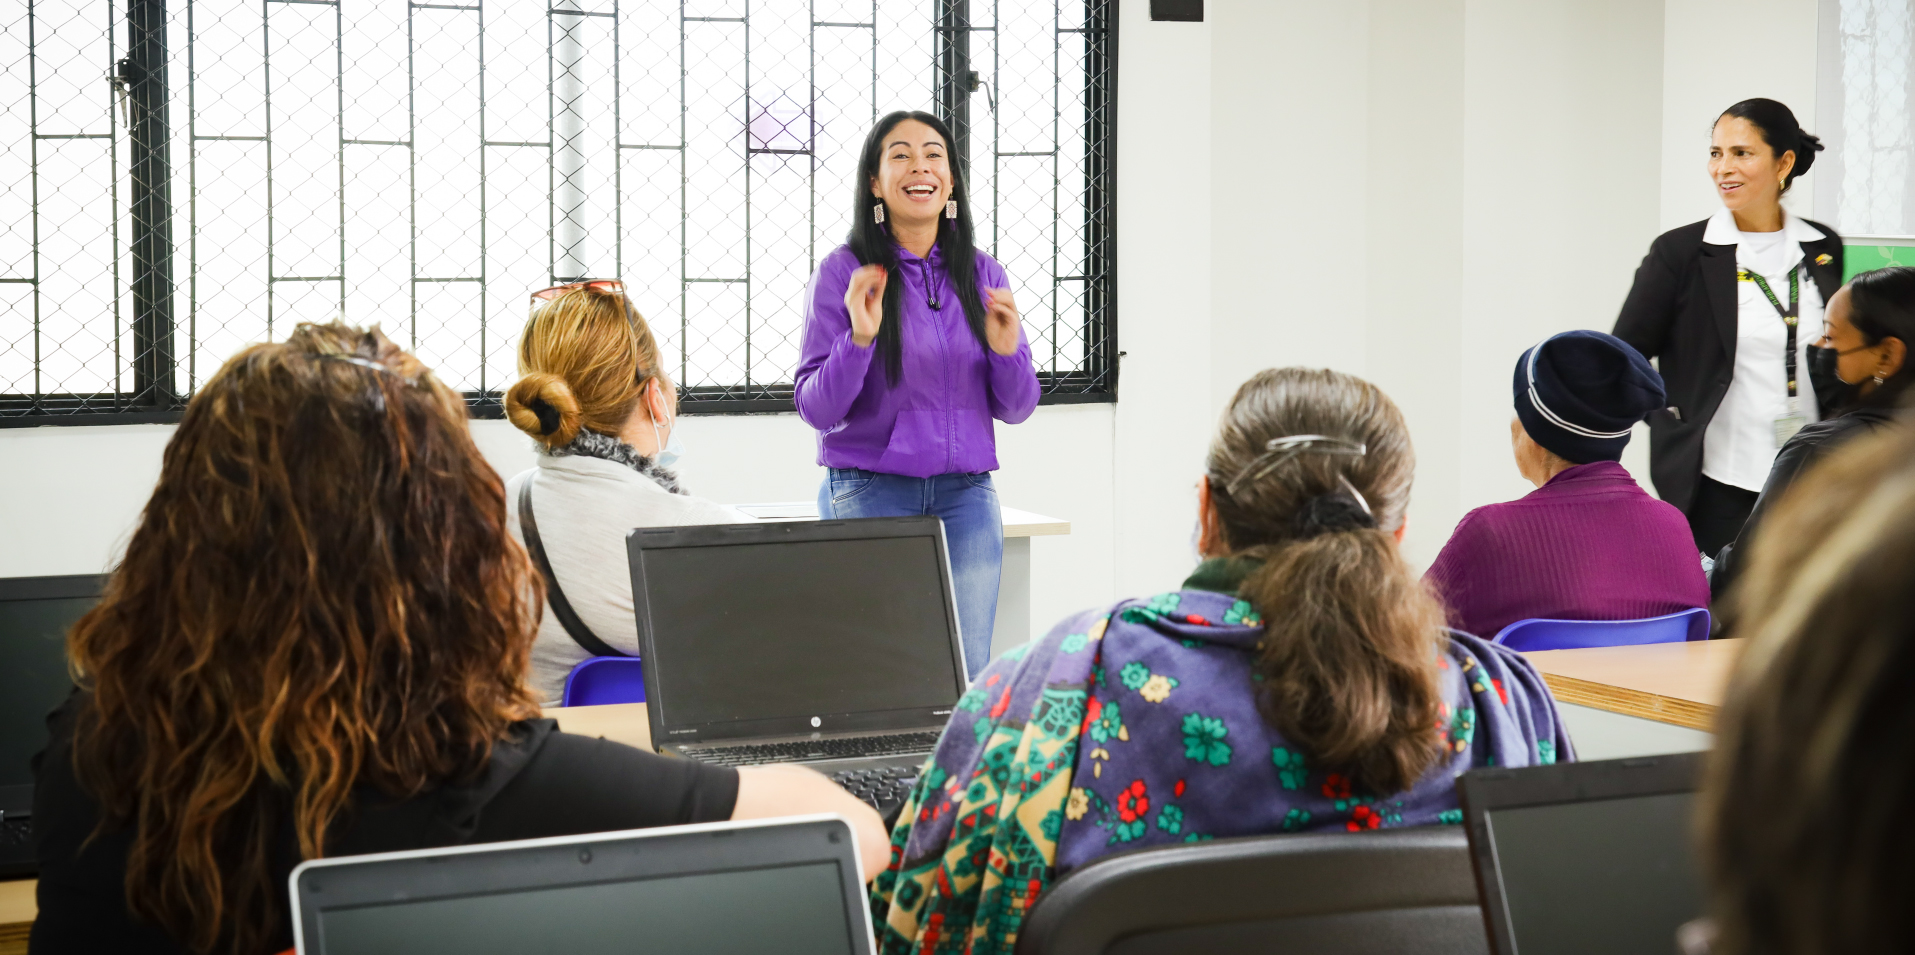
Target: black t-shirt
{"type": "Point", "coordinates": [539, 783]}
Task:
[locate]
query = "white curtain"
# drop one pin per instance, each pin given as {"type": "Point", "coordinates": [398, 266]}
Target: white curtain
{"type": "Point", "coordinates": [1872, 147]}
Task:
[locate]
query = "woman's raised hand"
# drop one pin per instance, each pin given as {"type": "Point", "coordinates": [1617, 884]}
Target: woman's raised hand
{"type": "Point", "coordinates": [865, 300]}
{"type": "Point", "coordinates": [1000, 321]}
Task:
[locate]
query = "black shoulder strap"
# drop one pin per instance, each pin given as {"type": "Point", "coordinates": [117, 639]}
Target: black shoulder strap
{"type": "Point", "coordinates": [561, 608]}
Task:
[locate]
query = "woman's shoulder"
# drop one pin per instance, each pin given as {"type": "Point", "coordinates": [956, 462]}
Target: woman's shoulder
{"type": "Point", "coordinates": [1819, 435]}
{"type": "Point", "coordinates": [1181, 617]}
{"type": "Point", "coordinates": [1828, 231]}
{"type": "Point", "coordinates": [1472, 650]}
{"type": "Point", "coordinates": [660, 507]}
{"type": "Point", "coordinates": [989, 270]}
{"type": "Point", "coordinates": [612, 492]}
{"type": "Point", "coordinates": [838, 263]}
{"type": "Point", "coordinates": [1681, 240]}
{"type": "Point", "coordinates": [1817, 438]}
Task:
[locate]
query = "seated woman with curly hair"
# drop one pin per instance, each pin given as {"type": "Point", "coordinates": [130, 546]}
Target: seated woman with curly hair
{"type": "Point", "coordinates": [1301, 679]}
{"type": "Point", "coordinates": [317, 645]}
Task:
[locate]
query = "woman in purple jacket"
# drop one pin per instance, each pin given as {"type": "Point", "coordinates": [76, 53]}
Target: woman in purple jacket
{"type": "Point", "coordinates": [912, 345]}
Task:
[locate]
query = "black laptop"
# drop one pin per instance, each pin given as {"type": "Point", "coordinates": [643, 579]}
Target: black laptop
{"type": "Point", "coordinates": [1585, 858]}
{"type": "Point", "coordinates": [826, 642]}
{"type": "Point", "coordinates": [35, 614]}
{"type": "Point", "coordinates": [786, 885]}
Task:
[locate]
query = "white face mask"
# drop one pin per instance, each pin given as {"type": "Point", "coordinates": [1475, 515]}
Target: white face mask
{"type": "Point", "coordinates": [670, 450]}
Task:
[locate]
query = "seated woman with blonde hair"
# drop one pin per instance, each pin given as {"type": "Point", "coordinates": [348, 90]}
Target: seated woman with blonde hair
{"type": "Point", "coordinates": [1806, 834]}
{"type": "Point", "coordinates": [592, 392]}
{"type": "Point", "coordinates": [316, 646]}
{"type": "Point", "coordinates": [1301, 679]}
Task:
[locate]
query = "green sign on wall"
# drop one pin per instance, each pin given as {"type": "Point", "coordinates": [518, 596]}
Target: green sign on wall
{"type": "Point", "coordinates": [1863, 253]}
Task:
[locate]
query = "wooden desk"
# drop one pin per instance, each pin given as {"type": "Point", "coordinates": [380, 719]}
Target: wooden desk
{"type": "Point", "coordinates": [17, 909]}
{"type": "Point", "coordinates": [619, 722]}
{"type": "Point", "coordinates": [1635, 701]}
{"type": "Point", "coordinates": [1013, 625]}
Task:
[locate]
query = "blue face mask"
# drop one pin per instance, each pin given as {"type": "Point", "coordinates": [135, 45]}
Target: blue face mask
{"type": "Point", "coordinates": [670, 450]}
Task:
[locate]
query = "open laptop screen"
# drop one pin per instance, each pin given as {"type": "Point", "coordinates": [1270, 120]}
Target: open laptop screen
{"type": "Point", "coordinates": [1588, 857]}
{"type": "Point", "coordinates": [1616, 875]}
{"type": "Point", "coordinates": [35, 614]}
{"type": "Point", "coordinates": [785, 885]}
{"type": "Point", "coordinates": [796, 909]}
{"type": "Point", "coordinates": [778, 624]}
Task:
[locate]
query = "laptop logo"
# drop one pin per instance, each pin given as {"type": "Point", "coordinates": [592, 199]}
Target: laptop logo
{"type": "Point", "coordinates": [940, 712]}
{"type": "Point", "coordinates": [816, 722]}
{"type": "Point", "coordinates": [681, 732]}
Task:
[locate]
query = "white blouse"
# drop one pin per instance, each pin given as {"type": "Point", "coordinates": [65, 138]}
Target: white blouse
{"type": "Point", "coordinates": [1739, 446]}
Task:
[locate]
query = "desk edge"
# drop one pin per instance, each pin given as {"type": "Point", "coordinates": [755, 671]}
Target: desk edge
{"type": "Point", "coordinates": [1648, 706]}
{"type": "Point", "coordinates": [1038, 529]}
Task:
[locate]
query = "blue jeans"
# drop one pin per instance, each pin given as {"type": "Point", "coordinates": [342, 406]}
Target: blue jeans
{"type": "Point", "coordinates": [973, 533]}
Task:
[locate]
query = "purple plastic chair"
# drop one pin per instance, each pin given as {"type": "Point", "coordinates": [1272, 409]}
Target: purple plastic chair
{"type": "Point", "coordinates": [1539, 634]}
{"type": "Point", "coordinates": [597, 681]}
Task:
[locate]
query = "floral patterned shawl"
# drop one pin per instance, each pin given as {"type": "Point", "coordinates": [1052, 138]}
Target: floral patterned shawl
{"type": "Point", "coordinates": [1137, 727]}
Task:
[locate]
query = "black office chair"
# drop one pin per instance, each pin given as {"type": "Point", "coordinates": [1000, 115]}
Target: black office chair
{"type": "Point", "coordinates": [1394, 892]}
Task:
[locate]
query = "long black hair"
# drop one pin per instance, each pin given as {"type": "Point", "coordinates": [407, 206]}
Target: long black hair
{"type": "Point", "coordinates": [1882, 305]}
{"type": "Point", "coordinates": [1779, 129]}
{"type": "Point", "coordinates": [873, 245]}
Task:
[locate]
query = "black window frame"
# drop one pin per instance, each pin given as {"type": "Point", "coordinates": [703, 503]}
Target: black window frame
{"type": "Point", "coordinates": [153, 249]}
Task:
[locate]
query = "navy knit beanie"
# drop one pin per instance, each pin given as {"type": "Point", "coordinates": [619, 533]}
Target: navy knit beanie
{"type": "Point", "coordinates": [1579, 393]}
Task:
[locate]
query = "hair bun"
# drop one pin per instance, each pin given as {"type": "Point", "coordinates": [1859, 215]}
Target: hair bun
{"type": "Point", "coordinates": [1331, 513]}
{"type": "Point", "coordinates": [1807, 145]}
{"type": "Point", "coordinates": [542, 405]}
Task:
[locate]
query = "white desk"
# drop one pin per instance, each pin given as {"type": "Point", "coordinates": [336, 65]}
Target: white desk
{"type": "Point", "coordinates": [1013, 627]}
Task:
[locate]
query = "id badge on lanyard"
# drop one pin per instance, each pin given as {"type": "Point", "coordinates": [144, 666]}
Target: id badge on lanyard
{"type": "Point", "coordinates": [1793, 420]}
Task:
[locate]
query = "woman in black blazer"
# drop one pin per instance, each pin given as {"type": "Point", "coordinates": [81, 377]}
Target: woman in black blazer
{"type": "Point", "coordinates": [1718, 303]}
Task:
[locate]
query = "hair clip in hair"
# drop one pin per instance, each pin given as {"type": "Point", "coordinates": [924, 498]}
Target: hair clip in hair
{"type": "Point", "coordinates": [361, 362]}
{"type": "Point", "coordinates": [1361, 501]}
{"type": "Point", "coordinates": [1278, 450]}
{"type": "Point", "coordinates": [368, 363]}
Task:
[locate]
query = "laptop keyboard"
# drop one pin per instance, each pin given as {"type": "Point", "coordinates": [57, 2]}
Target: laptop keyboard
{"type": "Point", "coordinates": [884, 789]}
{"type": "Point", "coordinates": [854, 747]}
{"type": "Point", "coordinates": [16, 830]}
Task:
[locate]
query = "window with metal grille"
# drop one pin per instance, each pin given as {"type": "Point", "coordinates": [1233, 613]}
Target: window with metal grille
{"type": "Point", "coordinates": [1865, 114]}
{"type": "Point", "coordinates": [179, 179]}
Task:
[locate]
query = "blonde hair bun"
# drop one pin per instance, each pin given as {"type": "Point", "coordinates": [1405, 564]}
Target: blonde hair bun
{"type": "Point", "coordinates": [542, 405]}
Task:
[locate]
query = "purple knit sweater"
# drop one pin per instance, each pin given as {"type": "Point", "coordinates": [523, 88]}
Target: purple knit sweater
{"type": "Point", "coordinates": [1588, 545]}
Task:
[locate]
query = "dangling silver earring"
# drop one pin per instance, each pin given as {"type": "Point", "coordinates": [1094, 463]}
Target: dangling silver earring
{"type": "Point", "coordinates": [950, 209]}
{"type": "Point", "coordinates": [877, 213]}
{"type": "Point", "coordinates": [1878, 379]}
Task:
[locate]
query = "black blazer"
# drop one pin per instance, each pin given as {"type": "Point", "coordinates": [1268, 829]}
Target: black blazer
{"type": "Point", "coordinates": [1683, 312]}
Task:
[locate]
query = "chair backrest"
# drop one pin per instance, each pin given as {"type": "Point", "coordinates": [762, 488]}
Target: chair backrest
{"type": "Point", "coordinates": [597, 681]}
{"type": "Point", "coordinates": [1371, 893]}
{"type": "Point", "coordinates": [1541, 634]}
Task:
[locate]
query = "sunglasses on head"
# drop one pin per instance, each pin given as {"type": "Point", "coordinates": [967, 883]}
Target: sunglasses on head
{"type": "Point", "coordinates": [603, 285]}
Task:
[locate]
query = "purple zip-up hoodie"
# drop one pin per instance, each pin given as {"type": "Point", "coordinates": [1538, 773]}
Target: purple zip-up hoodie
{"type": "Point", "coordinates": [937, 419]}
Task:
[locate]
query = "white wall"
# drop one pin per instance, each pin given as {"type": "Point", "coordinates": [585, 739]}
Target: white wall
{"type": "Point", "coordinates": [1410, 190]}
{"type": "Point", "coordinates": [1449, 182]}
{"type": "Point", "coordinates": [1560, 196]}
{"type": "Point", "coordinates": [1717, 53]}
